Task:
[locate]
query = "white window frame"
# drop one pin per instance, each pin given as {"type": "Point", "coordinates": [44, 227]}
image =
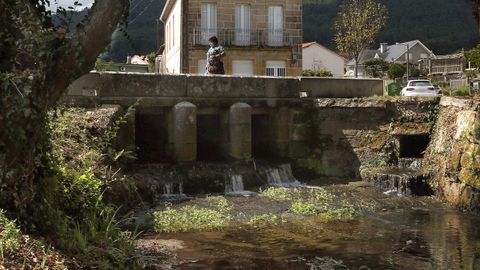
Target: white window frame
{"type": "Point", "coordinates": [275, 25]}
{"type": "Point", "coordinates": [208, 21]}
{"type": "Point", "coordinates": [276, 68]}
{"type": "Point", "coordinates": [242, 25]}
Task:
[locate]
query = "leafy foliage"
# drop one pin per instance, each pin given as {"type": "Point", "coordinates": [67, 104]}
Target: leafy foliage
{"type": "Point", "coordinates": [357, 24]}
{"type": "Point", "coordinates": [473, 56]}
{"type": "Point", "coordinates": [376, 67]}
{"type": "Point", "coordinates": [408, 20]}
{"type": "Point", "coordinates": [396, 71]}
{"type": "Point", "coordinates": [317, 73]}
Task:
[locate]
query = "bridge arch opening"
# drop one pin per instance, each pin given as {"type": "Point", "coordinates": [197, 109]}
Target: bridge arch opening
{"type": "Point", "coordinates": [151, 136]}
{"type": "Point", "coordinates": [262, 137]}
{"type": "Point", "coordinates": [209, 137]}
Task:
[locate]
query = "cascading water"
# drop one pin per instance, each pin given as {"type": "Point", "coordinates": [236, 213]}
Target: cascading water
{"type": "Point", "coordinates": [173, 191]}
{"type": "Point", "coordinates": [234, 186]}
{"type": "Point", "coordinates": [401, 181]}
{"type": "Point", "coordinates": [281, 176]}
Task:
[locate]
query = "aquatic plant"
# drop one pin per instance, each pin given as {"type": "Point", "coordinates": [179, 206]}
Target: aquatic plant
{"type": "Point", "coordinates": [304, 208]}
{"type": "Point", "coordinates": [264, 220]}
{"type": "Point", "coordinates": [190, 218]}
{"type": "Point", "coordinates": [278, 193]}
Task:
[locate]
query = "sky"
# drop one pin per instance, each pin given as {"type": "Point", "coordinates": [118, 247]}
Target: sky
{"type": "Point", "coordinates": [66, 3]}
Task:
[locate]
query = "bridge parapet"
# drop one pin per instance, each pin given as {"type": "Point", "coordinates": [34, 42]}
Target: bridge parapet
{"type": "Point", "coordinates": [168, 90]}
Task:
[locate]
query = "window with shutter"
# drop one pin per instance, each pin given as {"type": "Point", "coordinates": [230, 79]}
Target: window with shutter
{"type": "Point", "coordinates": [242, 25]}
{"type": "Point", "coordinates": [208, 22]}
{"type": "Point", "coordinates": [275, 26]}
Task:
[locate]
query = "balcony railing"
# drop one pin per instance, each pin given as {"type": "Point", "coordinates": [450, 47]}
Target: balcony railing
{"type": "Point", "coordinates": [247, 37]}
{"type": "Point", "coordinates": [447, 69]}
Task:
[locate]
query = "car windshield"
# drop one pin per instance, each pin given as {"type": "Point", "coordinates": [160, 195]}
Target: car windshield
{"type": "Point", "coordinates": [421, 83]}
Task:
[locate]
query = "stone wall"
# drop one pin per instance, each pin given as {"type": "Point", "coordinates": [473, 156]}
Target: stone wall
{"type": "Point", "coordinates": [453, 157]}
{"type": "Point", "coordinates": [350, 135]}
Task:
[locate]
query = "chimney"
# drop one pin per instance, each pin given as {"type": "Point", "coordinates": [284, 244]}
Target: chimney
{"type": "Point", "coordinates": [383, 47]}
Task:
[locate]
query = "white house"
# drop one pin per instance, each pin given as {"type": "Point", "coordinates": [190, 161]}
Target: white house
{"type": "Point", "coordinates": [396, 53]}
{"type": "Point", "coordinates": [318, 57]}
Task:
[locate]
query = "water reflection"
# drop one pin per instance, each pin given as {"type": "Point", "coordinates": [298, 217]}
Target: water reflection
{"type": "Point", "coordinates": [407, 239]}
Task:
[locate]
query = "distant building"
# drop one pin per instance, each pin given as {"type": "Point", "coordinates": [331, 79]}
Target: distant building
{"type": "Point", "coordinates": [139, 60]}
{"type": "Point", "coordinates": [418, 53]}
{"type": "Point", "coordinates": [448, 65]}
{"type": "Point", "coordinates": [317, 57]}
{"type": "Point", "coordinates": [260, 37]}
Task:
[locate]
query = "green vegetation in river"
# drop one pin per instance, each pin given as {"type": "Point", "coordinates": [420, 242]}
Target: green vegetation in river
{"type": "Point", "coordinates": [218, 213]}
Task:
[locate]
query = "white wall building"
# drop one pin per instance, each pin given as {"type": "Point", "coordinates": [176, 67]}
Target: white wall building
{"type": "Point", "coordinates": [173, 37]}
{"type": "Point", "coordinates": [318, 57]}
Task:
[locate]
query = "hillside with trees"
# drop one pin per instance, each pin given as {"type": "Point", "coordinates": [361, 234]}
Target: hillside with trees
{"type": "Point", "coordinates": [443, 25]}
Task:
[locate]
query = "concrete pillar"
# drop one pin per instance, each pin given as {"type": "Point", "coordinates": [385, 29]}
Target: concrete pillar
{"type": "Point", "coordinates": [240, 131]}
{"type": "Point", "coordinates": [281, 130]}
{"type": "Point", "coordinates": [299, 134]}
{"type": "Point", "coordinates": [183, 132]}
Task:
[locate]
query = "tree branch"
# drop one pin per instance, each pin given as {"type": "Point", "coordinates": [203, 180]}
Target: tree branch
{"type": "Point", "coordinates": [81, 52]}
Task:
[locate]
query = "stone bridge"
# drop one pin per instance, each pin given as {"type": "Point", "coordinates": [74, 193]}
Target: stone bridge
{"type": "Point", "coordinates": [187, 118]}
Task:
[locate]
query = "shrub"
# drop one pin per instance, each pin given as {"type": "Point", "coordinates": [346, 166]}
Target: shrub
{"type": "Point", "coordinates": [317, 73]}
{"type": "Point", "coordinates": [376, 67]}
{"type": "Point", "coordinates": [396, 71]}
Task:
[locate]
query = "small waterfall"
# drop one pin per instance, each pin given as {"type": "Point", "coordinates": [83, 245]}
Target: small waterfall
{"type": "Point", "coordinates": [401, 182]}
{"type": "Point", "coordinates": [281, 176]}
{"type": "Point", "coordinates": [173, 191]}
{"type": "Point", "coordinates": [234, 186]}
{"type": "Point", "coordinates": [234, 183]}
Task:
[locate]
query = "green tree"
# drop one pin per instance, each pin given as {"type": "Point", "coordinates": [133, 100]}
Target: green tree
{"type": "Point", "coordinates": [376, 67]}
{"type": "Point", "coordinates": [396, 70]}
{"type": "Point", "coordinates": [415, 72]}
{"type": "Point", "coordinates": [357, 24]}
{"type": "Point", "coordinates": [37, 63]}
{"type": "Point", "coordinates": [473, 56]}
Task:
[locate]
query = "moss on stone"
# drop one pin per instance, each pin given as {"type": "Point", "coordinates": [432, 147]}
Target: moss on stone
{"type": "Point", "coordinates": [455, 156]}
{"type": "Point", "coordinates": [470, 177]}
{"type": "Point", "coordinates": [471, 158]}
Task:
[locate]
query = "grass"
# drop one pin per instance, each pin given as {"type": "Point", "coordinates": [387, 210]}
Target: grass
{"type": "Point", "coordinates": [20, 251]}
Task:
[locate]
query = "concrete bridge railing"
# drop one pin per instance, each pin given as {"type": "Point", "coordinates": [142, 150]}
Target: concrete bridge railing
{"type": "Point", "coordinates": [168, 90]}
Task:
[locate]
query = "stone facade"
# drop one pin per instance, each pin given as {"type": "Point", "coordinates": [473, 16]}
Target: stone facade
{"type": "Point", "coordinates": [256, 43]}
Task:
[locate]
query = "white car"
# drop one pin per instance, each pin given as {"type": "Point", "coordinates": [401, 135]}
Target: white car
{"type": "Point", "coordinates": [420, 88]}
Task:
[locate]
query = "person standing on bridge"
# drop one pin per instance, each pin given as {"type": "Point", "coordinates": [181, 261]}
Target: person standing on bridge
{"type": "Point", "coordinates": [215, 55]}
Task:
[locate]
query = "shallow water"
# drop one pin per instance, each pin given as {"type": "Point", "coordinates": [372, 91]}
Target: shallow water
{"type": "Point", "coordinates": [439, 238]}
